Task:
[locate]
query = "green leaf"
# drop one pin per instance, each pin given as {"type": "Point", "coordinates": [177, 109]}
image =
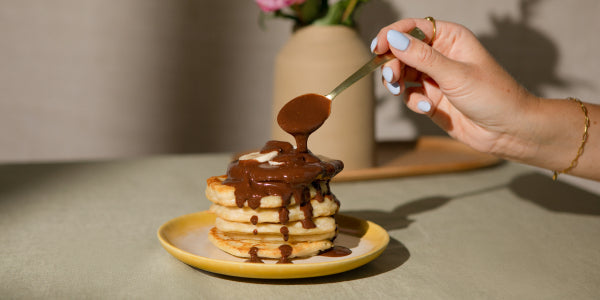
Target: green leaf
{"type": "Point", "coordinates": [350, 11]}
{"type": "Point", "coordinates": [311, 10]}
{"type": "Point", "coordinates": [334, 14]}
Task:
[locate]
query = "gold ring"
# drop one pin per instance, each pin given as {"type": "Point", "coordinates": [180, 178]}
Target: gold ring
{"type": "Point", "coordinates": [432, 20]}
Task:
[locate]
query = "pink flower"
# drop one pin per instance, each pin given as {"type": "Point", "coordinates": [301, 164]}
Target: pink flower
{"type": "Point", "coordinates": [273, 5]}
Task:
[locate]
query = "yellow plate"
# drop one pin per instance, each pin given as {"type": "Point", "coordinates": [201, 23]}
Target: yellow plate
{"type": "Point", "coordinates": [186, 238]}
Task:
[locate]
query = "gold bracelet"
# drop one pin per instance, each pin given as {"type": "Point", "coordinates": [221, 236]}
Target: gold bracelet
{"type": "Point", "coordinates": [583, 140]}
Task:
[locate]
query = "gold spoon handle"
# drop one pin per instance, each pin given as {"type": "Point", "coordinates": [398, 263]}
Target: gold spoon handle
{"type": "Point", "coordinates": [369, 67]}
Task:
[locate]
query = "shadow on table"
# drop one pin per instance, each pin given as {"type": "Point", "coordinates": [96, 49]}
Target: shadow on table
{"type": "Point", "coordinates": [555, 195]}
{"type": "Point", "coordinates": [395, 255]}
{"type": "Point", "coordinates": [399, 217]}
{"type": "Point", "coordinates": [534, 187]}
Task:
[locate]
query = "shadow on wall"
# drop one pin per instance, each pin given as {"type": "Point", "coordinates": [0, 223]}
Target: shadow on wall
{"type": "Point", "coordinates": [373, 16]}
{"type": "Point", "coordinates": [524, 51]}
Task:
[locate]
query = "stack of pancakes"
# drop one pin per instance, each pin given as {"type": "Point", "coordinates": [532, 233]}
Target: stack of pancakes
{"type": "Point", "coordinates": [277, 225]}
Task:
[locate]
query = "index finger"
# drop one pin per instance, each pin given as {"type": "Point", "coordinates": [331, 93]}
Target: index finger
{"type": "Point", "coordinates": [380, 45]}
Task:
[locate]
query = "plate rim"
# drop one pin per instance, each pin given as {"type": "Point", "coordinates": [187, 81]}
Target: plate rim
{"type": "Point", "coordinates": [272, 271]}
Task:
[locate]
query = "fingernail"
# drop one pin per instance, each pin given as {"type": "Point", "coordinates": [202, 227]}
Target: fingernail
{"type": "Point", "coordinates": [388, 74]}
{"type": "Point", "coordinates": [398, 40]}
{"type": "Point", "coordinates": [373, 44]}
{"type": "Point", "coordinates": [394, 87]}
{"type": "Point", "coordinates": [424, 106]}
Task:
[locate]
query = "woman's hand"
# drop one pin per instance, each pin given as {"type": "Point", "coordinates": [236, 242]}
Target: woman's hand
{"type": "Point", "coordinates": [462, 89]}
{"type": "Point", "coordinates": [469, 95]}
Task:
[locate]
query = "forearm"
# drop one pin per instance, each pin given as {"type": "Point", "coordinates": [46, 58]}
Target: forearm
{"type": "Point", "coordinates": [550, 137]}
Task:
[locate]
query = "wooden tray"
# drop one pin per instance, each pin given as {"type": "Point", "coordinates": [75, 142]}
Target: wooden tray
{"type": "Point", "coordinates": [427, 155]}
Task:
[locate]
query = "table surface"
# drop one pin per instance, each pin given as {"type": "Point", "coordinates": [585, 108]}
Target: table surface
{"type": "Point", "coordinates": [88, 230]}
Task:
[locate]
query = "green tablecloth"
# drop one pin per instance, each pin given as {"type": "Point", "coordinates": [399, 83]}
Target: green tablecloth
{"type": "Point", "coordinates": [88, 230]}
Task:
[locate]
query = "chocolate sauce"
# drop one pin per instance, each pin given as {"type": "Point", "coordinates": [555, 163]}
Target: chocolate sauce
{"type": "Point", "coordinates": [285, 232]}
{"type": "Point", "coordinates": [294, 176]}
{"type": "Point", "coordinates": [307, 209]}
{"type": "Point", "coordinates": [337, 251]}
{"type": "Point", "coordinates": [254, 256]}
{"type": "Point", "coordinates": [302, 116]}
{"type": "Point", "coordinates": [286, 252]}
{"type": "Point", "coordinates": [292, 172]}
{"type": "Point", "coordinates": [319, 196]}
{"type": "Point", "coordinates": [284, 215]}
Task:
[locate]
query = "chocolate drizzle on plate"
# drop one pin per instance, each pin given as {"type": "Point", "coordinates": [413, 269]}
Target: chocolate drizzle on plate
{"type": "Point", "coordinates": [337, 251]}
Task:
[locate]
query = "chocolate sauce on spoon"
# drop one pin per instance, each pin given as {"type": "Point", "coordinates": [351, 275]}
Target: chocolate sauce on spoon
{"type": "Point", "coordinates": [302, 116]}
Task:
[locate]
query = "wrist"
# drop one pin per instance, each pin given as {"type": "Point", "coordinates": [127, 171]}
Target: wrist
{"type": "Point", "coordinates": [547, 134]}
{"type": "Point", "coordinates": [517, 139]}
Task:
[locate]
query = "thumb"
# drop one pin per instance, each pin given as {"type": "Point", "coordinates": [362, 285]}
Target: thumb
{"type": "Point", "coordinates": [424, 58]}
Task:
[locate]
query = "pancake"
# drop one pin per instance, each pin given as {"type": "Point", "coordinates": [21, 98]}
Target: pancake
{"type": "Point", "coordinates": [323, 225]}
{"type": "Point", "coordinates": [224, 195]}
{"type": "Point", "coordinates": [280, 238]}
{"type": "Point", "coordinates": [328, 207]}
{"type": "Point", "coordinates": [271, 250]}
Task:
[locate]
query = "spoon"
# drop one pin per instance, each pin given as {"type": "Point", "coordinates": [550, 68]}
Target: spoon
{"type": "Point", "coordinates": [369, 67]}
{"type": "Point", "coordinates": [306, 113]}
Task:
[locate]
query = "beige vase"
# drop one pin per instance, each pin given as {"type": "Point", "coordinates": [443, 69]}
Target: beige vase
{"type": "Point", "coordinates": [315, 60]}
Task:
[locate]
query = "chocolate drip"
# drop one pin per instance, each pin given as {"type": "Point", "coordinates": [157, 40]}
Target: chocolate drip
{"type": "Point", "coordinates": [307, 222]}
{"type": "Point", "coordinates": [284, 215]}
{"type": "Point", "coordinates": [285, 232]}
{"type": "Point", "coordinates": [254, 220]}
{"type": "Point", "coordinates": [302, 194]}
{"type": "Point", "coordinates": [255, 231]}
{"type": "Point", "coordinates": [286, 252]}
{"type": "Point", "coordinates": [254, 256]}
{"type": "Point", "coordinates": [319, 192]}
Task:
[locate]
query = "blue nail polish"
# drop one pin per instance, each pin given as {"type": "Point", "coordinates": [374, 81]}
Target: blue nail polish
{"type": "Point", "coordinates": [394, 87]}
{"type": "Point", "coordinates": [424, 106]}
{"type": "Point", "coordinates": [373, 44]}
{"type": "Point", "coordinates": [388, 74]}
{"type": "Point", "coordinates": [398, 40]}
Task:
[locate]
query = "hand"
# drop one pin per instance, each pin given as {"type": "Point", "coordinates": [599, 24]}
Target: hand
{"type": "Point", "coordinates": [463, 89]}
{"type": "Point", "coordinates": [469, 95]}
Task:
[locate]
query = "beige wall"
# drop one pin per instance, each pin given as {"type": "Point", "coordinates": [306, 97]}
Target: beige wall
{"type": "Point", "coordinates": [97, 79]}
{"type": "Point", "coordinates": [102, 79]}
